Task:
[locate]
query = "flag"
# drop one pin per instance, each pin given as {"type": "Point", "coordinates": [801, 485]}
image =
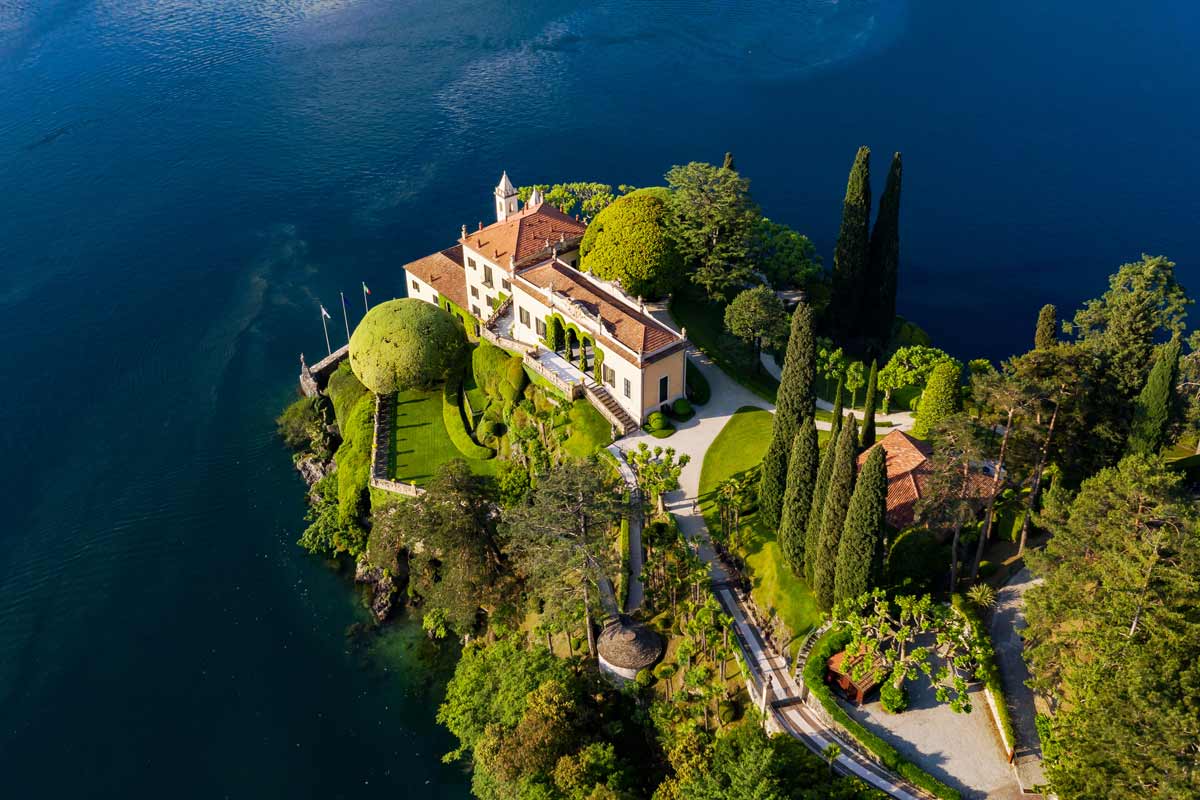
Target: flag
{"type": "Point", "coordinates": [365, 289]}
{"type": "Point", "coordinates": [325, 313]}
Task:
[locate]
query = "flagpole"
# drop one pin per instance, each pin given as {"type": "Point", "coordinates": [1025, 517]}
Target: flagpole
{"type": "Point", "coordinates": [365, 308]}
{"type": "Point", "coordinates": [345, 316]}
{"type": "Point", "coordinates": [325, 326]}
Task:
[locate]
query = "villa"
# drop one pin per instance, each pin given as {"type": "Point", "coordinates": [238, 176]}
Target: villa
{"type": "Point", "coordinates": [517, 282]}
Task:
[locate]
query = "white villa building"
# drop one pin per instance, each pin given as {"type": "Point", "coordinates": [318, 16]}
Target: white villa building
{"type": "Point", "coordinates": [516, 282]}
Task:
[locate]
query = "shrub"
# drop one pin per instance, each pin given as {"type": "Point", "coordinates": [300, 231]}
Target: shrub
{"type": "Point", "coordinates": [403, 344]}
{"type": "Point", "coordinates": [456, 426]}
{"type": "Point", "coordinates": [302, 424]}
{"type": "Point", "coordinates": [344, 390]}
{"type": "Point", "coordinates": [894, 700]}
{"type": "Point", "coordinates": [728, 711]}
{"type": "Point", "coordinates": [917, 561]}
{"type": "Point", "coordinates": [982, 595]}
{"type": "Point", "coordinates": [834, 641]}
{"type": "Point", "coordinates": [657, 421]}
{"type": "Point", "coordinates": [682, 409]}
{"type": "Point", "coordinates": [987, 569]}
{"type": "Point", "coordinates": [628, 242]}
{"type": "Point", "coordinates": [644, 678]}
{"type": "Point", "coordinates": [698, 390]}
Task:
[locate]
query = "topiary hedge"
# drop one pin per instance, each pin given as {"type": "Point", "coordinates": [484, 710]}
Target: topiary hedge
{"type": "Point", "coordinates": [456, 427]}
{"type": "Point", "coordinates": [406, 343]}
{"type": "Point", "coordinates": [834, 641]}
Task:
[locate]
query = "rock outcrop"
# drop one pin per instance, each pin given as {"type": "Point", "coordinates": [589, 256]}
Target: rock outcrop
{"type": "Point", "coordinates": [381, 586]}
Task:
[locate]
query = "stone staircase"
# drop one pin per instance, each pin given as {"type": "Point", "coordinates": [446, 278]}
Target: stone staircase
{"type": "Point", "coordinates": [610, 408]}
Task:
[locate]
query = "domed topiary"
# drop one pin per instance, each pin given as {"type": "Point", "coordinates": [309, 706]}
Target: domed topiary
{"type": "Point", "coordinates": [628, 242]}
{"type": "Point", "coordinates": [657, 421]}
{"type": "Point", "coordinates": [403, 344]}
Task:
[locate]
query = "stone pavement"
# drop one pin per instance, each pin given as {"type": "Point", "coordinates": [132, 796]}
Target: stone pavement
{"type": "Point", "coordinates": [1005, 626]}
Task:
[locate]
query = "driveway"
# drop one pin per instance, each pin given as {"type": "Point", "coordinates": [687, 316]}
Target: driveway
{"type": "Point", "coordinates": [1005, 626]}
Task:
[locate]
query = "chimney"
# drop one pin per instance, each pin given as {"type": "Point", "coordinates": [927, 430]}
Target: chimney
{"type": "Point", "coordinates": [464, 231]}
{"type": "Point", "coordinates": [480, 224]}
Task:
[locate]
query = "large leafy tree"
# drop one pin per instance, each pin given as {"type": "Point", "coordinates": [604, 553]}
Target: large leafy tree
{"type": "Point", "coordinates": [879, 292]}
{"type": "Point", "coordinates": [883, 637]}
{"type": "Point", "coordinates": [1144, 304]}
{"type": "Point", "coordinates": [403, 344]}
{"type": "Point", "coordinates": [588, 197]}
{"type": "Point", "coordinates": [711, 218]}
{"type": "Point", "coordinates": [851, 254]}
{"type": "Point", "coordinates": [860, 550]}
{"type": "Point", "coordinates": [795, 402]}
{"type": "Point", "coordinates": [455, 561]}
{"type": "Point", "coordinates": [786, 258]}
{"type": "Point", "coordinates": [560, 538]}
{"type": "Point", "coordinates": [1155, 409]}
{"type": "Point", "coordinates": [833, 513]}
{"type": "Point", "coordinates": [757, 316]}
{"type": "Point", "coordinates": [953, 489]}
{"type": "Point", "coordinates": [627, 242]}
{"type": "Point", "coordinates": [1114, 635]}
{"type": "Point", "coordinates": [797, 499]}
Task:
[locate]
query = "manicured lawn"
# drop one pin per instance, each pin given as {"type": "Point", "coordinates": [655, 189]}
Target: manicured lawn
{"type": "Point", "coordinates": [589, 430]}
{"type": "Point", "coordinates": [419, 439]}
{"type": "Point", "coordinates": [737, 450]}
{"type": "Point", "coordinates": [705, 323]}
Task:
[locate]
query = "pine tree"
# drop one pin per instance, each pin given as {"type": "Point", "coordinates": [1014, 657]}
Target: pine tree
{"type": "Point", "coordinates": [833, 514]}
{"type": "Point", "coordinates": [940, 398]}
{"type": "Point", "coordinates": [868, 429]}
{"type": "Point", "coordinates": [728, 162]}
{"type": "Point", "coordinates": [1153, 412]}
{"type": "Point", "coordinates": [1047, 328]}
{"type": "Point", "coordinates": [884, 266]}
{"type": "Point", "coordinates": [850, 256]}
{"type": "Point", "coordinates": [812, 532]}
{"type": "Point", "coordinates": [860, 551]}
{"type": "Point", "coordinates": [794, 403]}
{"type": "Point", "coordinates": [797, 500]}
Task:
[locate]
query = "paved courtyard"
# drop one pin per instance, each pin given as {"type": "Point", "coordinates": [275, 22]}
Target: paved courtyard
{"type": "Point", "coordinates": [961, 750]}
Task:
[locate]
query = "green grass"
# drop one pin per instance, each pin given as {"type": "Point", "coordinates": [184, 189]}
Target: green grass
{"type": "Point", "coordinates": [589, 430]}
{"type": "Point", "coordinates": [737, 450]}
{"type": "Point", "coordinates": [705, 323]}
{"type": "Point", "coordinates": [420, 442]}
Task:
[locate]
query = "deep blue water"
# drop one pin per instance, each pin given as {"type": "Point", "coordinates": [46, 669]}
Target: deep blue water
{"type": "Point", "coordinates": [182, 182]}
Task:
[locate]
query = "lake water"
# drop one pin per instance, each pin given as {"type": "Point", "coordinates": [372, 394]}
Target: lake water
{"type": "Point", "coordinates": [183, 182]}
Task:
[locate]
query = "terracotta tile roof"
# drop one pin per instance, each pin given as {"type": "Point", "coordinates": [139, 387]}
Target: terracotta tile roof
{"type": "Point", "coordinates": [523, 234]}
{"type": "Point", "coordinates": [908, 474]}
{"type": "Point", "coordinates": [621, 321]}
{"type": "Point", "coordinates": [444, 272]}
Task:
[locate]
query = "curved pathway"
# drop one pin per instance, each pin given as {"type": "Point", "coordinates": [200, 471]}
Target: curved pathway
{"type": "Point", "coordinates": [694, 437]}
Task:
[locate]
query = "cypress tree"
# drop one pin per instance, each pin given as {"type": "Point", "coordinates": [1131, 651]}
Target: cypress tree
{"type": "Point", "coordinates": [833, 514]}
{"type": "Point", "coordinates": [802, 477]}
{"type": "Point", "coordinates": [860, 551]}
{"type": "Point", "coordinates": [794, 403]}
{"type": "Point", "coordinates": [850, 256]}
{"type": "Point", "coordinates": [812, 533]}
{"type": "Point", "coordinates": [884, 269]}
{"type": "Point", "coordinates": [940, 398]}
{"type": "Point", "coordinates": [1047, 328]}
{"type": "Point", "coordinates": [1153, 412]}
{"type": "Point", "coordinates": [837, 409]}
{"type": "Point", "coordinates": [728, 163]}
{"type": "Point", "coordinates": [868, 429]}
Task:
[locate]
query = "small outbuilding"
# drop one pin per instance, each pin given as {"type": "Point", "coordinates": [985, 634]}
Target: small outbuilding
{"type": "Point", "coordinates": [626, 647]}
{"type": "Point", "coordinates": [838, 675]}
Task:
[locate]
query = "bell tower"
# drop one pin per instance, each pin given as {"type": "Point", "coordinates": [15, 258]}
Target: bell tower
{"type": "Point", "coordinates": [506, 199]}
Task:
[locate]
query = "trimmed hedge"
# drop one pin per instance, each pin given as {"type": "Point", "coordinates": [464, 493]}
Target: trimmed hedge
{"type": "Point", "coordinates": [988, 671]}
{"type": "Point", "coordinates": [456, 427]}
{"type": "Point", "coordinates": [834, 641]}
